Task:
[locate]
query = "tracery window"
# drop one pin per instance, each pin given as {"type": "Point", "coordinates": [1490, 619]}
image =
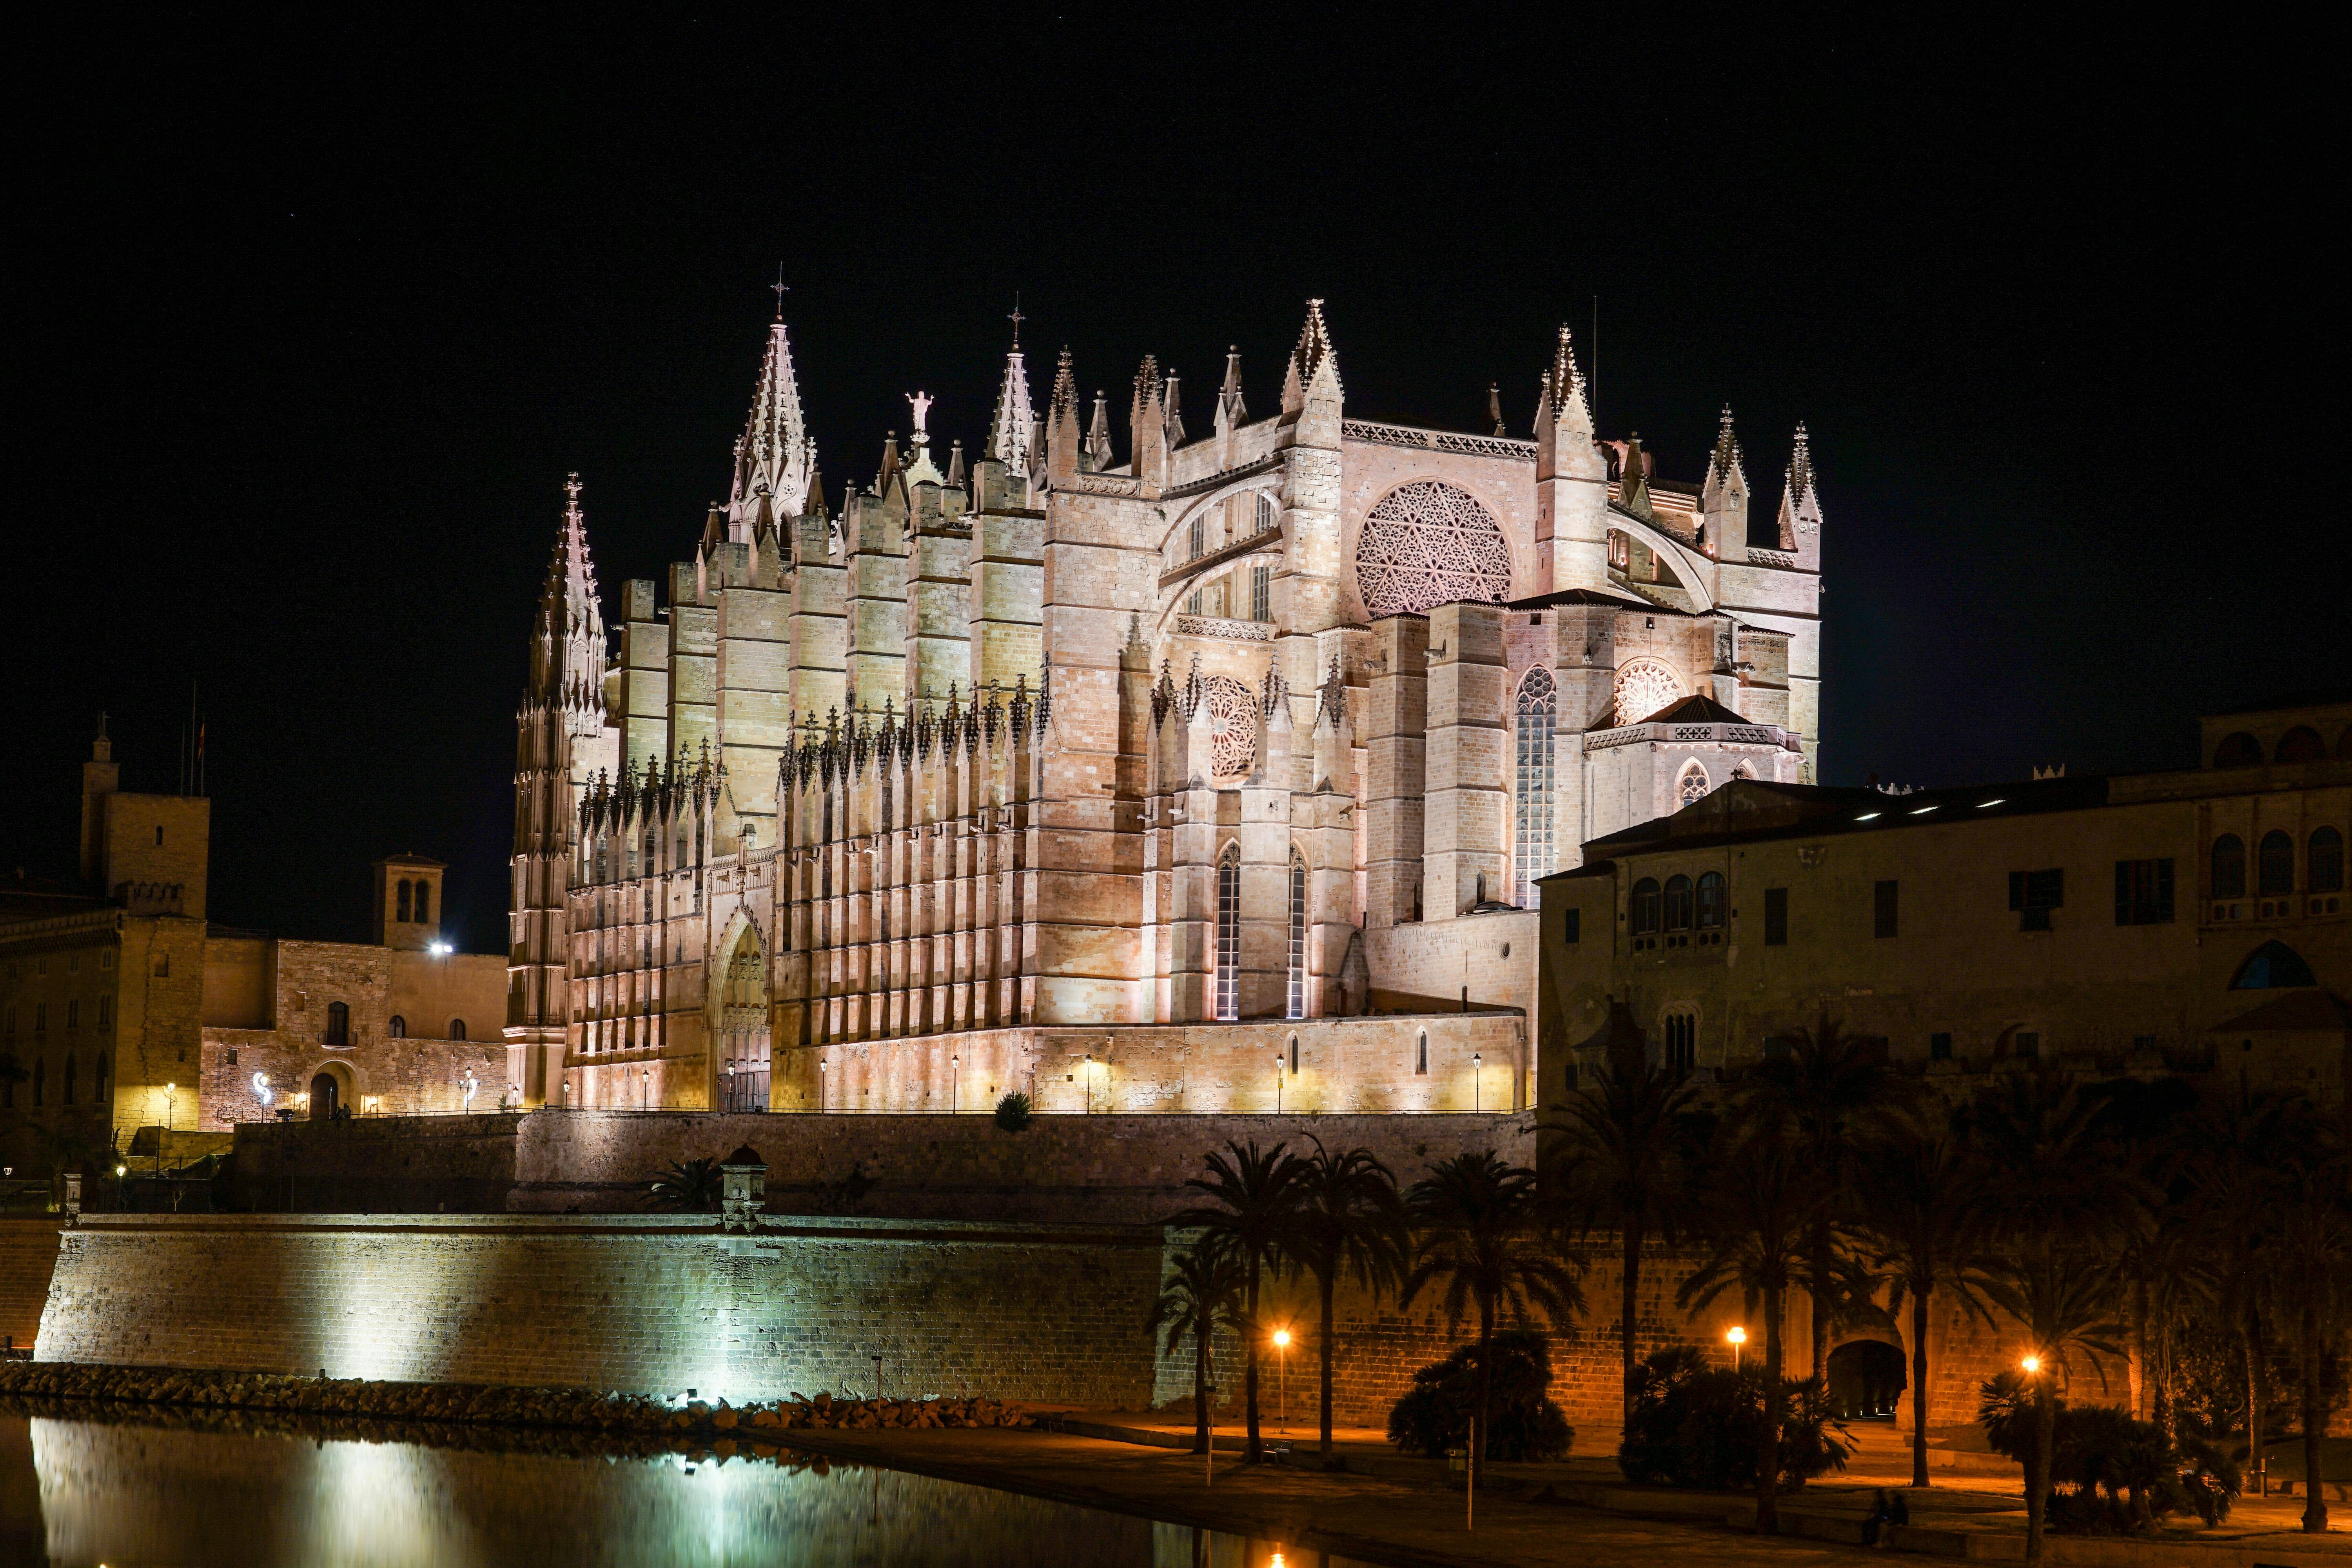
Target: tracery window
{"type": "Point", "coordinates": [1531, 788]}
{"type": "Point", "coordinates": [1233, 726]}
{"type": "Point", "coordinates": [1297, 1007]}
{"type": "Point", "coordinates": [1229, 933]}
{"type": "Point", "coordinates": [1428, 543]}
{"type": "Point", "coordinates": [1644, 687]}
{"type": "Point", "coordinates": [1693, 784]}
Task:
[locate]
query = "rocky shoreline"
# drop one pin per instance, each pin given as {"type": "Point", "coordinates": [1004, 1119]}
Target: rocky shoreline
{"type": "Point", "coordinates": [503, 1404]}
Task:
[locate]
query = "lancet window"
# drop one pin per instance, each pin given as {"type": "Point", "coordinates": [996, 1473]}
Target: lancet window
{"type": "Point", "coordinates": [1229, 933]}
{"type": "Point", "coordinates": [1298, 1005]}
{"type": "Point", "coordinates": [1531, 792]}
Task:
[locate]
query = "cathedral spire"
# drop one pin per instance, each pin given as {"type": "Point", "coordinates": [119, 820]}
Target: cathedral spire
{"type": "Point", "coordinates": [1800, 504]}
{"type": "Point", "coordinates": [1723, 499]}
{"type": "Point", "coordinates": [1312, 357]}
{"type": "Point", "coordinates": [773, 453]}
{"type": "Point", "coordinates": [1008, 433]}
{"type": "Point", "coordinates": [1229, 398]}
{"type": "Point", "coordinates": [567, 660]}
{"type": "Point", "coordinates": [1633, 477]}
{"type": "Point", "coordinates": [1062, 421]}
{"type": "Point", "coordinates": [1098, 434]}
{"type": "Point", "coordinates": [1175, 423]}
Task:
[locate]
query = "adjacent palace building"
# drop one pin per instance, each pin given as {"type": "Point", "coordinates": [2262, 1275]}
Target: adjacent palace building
{"type": "Point", "coordinates": [1112, 776]}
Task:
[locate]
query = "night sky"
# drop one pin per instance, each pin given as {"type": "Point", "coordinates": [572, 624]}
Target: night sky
{"type": "Point", "coordinates": [310, 323]}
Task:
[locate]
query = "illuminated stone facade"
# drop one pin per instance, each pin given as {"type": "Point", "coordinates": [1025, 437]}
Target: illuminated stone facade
{"type": "Point", "coordinates": [1274, 721]}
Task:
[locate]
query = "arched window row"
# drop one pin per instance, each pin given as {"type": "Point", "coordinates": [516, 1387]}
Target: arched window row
{"type": "Point", "coordinates": [2275, 859]}
{"type": "Point", "coordinates": [1682, 912]}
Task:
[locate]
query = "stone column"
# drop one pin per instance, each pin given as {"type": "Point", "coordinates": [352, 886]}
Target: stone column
{"type": "Point", "coordinates": [1462, 834]}
{"type": "Point", "coordinates": [1394, 745]}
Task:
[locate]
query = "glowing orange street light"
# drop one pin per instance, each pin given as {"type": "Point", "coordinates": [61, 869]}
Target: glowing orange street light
{"type": "Point", "coordinates": [2032, 1365]}
{"type": "Point", "coordinates": [1738, 1337]}
{"type": "Point", "coordinates": [1281, 1344]}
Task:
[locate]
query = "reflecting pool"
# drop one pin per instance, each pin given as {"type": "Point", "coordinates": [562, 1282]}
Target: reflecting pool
{"type": "Point", "coordinates": [132, 1494]}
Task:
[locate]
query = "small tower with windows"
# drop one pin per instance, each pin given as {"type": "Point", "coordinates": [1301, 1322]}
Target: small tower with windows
{"type": "Point", "coordinates": [408, 902]}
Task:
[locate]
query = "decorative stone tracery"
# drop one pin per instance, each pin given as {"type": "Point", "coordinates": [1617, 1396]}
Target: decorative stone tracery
{"type": "Point", "coordinates": [1428, 543]}
{"type": "Point", "coordinates": [1233, 726]}
{"type": "Point", "coordinates": [1644, 687]}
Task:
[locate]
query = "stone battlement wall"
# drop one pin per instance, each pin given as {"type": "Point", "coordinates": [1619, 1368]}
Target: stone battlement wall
{"type": "Point", "coordinates": [1096, 1170]}
{"type": "Point", "coordinates": [647, 1304]}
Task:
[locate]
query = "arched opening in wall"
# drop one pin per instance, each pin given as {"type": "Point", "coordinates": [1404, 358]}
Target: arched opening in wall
{"type": "Point", "coordinates": [395, 1027]}
{"type": "Point", "coordinates": [2324, 864]}
{"type": "Point", "coordinates": [338, 1023]}
{"type": "Point", "coordinates": [2301, 744]}
{"type": "Point", "coordinates": [1643, 909]}
{"type": "Point", "coordinates": [1228, 998]}
{"type": "Point", "coordinates": [1678, 903]}
{"type": "Point", "coordinates": [457, 1029]}
{"type": "Point", "coordinates": [329, 1094]}
{"type": "Point", "coordinates": [1532, 784]}
{"type": "Point", "coordinates": [2271, 966]}
{"type": "Point", "coordinates": [744, 1069]}
{"type": "Point", "coordinates": [2228, 867]}
{"type": "Point", "coordinates": [72, 1074]}
{"type": "Point", "coordinates": [423, 903]}
{"type": "Point", "coordinates": [2238, 750]}
{"type": "Point", "coordinates": [1691, 787]}
{"type": "Point", "coordinates": [401, 902]}
{"type": "Point", "coordinates": [1296, 1007]}
{"type": "Point", "coordinates": [1867, 1381]}
{"type": "Point", "coordinates": [2274, 864]}
{"type": "Point", "coordinates": [1421, 1055]}
{"type": "Point", "coordinates": [1427, 544]}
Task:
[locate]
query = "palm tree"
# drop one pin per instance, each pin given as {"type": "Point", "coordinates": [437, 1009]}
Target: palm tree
{"type": "Point", "coordinates": [1350, 1220]}
{"type": "Point", "coordinates": [1480, 1228]}
{"type": "Point", "coordinates": [1625, 1165]}
{"type": "Point", "coordinates": [688, 1187]}
{"type": "Point", "coordinates": [1829, 1083]}
{"type": "Point", "coordinates": [2308, 1284]}
{"type": "Point", "coordinates": [1924, 1225]}
{"type": "Point", "coordinates": [1255, 1201]}
{"type": "Point", "coordinates": [1202, 1294]}
{"type": "Point", "coordinates": [2066, 1208]}
{"type": "Point", "coordinates": [1760, 1191]}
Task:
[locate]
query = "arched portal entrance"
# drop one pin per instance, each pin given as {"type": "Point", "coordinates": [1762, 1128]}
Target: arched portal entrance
{"type": "Point", "coordinates": [325, 1096]}
{"type": "Point", "coordinates": [1867, 1381]}
{"type": "Point", "coordinates": [744, 1026]}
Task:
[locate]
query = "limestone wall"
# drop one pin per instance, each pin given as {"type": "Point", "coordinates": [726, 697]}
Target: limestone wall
{"type": "Point", "coordinates": [1093, 1170]}
{"type": "Point", "coordinates": [28, 1251]}
{"type": "Point", "coordinates": [647, 1304]}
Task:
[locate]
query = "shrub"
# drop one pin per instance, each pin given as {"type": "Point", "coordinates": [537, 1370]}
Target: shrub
{"type": "Point", "coordinates": [1697, 1425]}
{"type": "Point", "coordinates": [690, 1186]}
{"type": "Point", "coordinates": [1522, 1421]}
{"type": "Point", "coordinates": [2125, 1474]}
{"type": "Point", "coordinates": [1013, 1112]}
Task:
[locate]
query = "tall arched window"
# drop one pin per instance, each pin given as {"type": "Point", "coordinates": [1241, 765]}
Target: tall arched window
{"type": "Point", "coordinates": [2301, 744]}
{"type": "Point", "coordinates": [400, 908]}
{"type": "Point", "coordinates": [2238, 750]}
{"type": "Point", "coordinates": [457, 1029]}
{"type": "Point", "coordinates": [338, 1023]}
{"type": "Point", "coordinates": [1692, 786]}
{"type": "Point", "coordinates": [423, 903]}
{"type": "Point", "coordinates": [1678, 903]}
{"type": "Point", "coordinates": [1297, 1007]}
{"type": "Point", "coordinates": [40, 1080]}
{"type": "Point", "coordinates": [1644, 907]}
{"type": "Point", "coordinates": [2228, 867]}
{"type": "Point", "coordinates": [1269, 512]}
{"type": "Point", "coordinates": [1531, 788]}
{"type": "Point", "coordinates": [2274, 864]}
{"type": "Point", "coordinates": [396, 1027]}
{"type": "Point", "coordinates": [1710, 901]}
{"type": "Point", "coordinates": [71, 1073]}
{"type": "Point", "coordinates": [2325, 865]}
{"type": "Point", "coordinates": [1229, 933]}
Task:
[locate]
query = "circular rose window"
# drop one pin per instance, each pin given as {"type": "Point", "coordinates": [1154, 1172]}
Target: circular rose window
{"type": "Point", "coordinates": [1233, 726]}
{"type": "Point", "coordinates": [1428, 543]}
{"type": "Point", "coordinates": [1643, 688]}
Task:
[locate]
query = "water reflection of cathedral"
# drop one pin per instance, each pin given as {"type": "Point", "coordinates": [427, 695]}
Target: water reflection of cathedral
{"type": "Point", "coordinates": [1033, 769]}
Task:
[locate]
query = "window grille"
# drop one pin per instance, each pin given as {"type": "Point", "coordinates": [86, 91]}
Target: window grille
{"type": "Point", "coordinates": [1229, 934]}
{"type": "Point", "coordinates": [1261, 593]}
{"type": "Point", "coordinates": [1297, 1008]}
{"type": "Point", "coordinates": [1532, 787]}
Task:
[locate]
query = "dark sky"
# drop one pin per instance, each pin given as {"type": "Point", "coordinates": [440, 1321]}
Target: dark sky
{"type": "Point", "coordinates": [311, 320]}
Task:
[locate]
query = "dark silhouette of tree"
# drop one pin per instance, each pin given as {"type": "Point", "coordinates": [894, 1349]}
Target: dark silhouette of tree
{"type": "Point", "coordinates": [1349, 1221]}
{"type": "Point", "coordinates": [1202, 1294]}
{"type": "Point", "coordinates": [1829, 1084]}
{"type": "Point", "coordinates": [1624, 1165]}
{"type": "Point", "coordinates": [2307, 1282]}
{"type": "Point", "coordinates": [1479, 1226]}
{"type": "Point", "coordinates": [2065, 1206]}
{"type": "Point", "coordinates": [1758, 1191]}
{"type": "Point", "coordinates": [1254, 1205]}
{"type": "Point", "coordinates": [689, 1186]}
{"type": "Point", "coordinates": [1923, 1224]}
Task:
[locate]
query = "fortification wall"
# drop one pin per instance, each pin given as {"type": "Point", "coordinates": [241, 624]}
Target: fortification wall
{"type": "Point", "coordinates": [1096, 1170]}
{"type": "Point", "coordinates": [647, 1304]}
{"type": "Point", "coordinates": [28, 1253]}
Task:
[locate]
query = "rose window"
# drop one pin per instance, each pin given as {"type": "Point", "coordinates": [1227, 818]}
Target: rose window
{"type": "Point", "coordinates": [1428, 543]}
{"type": "Point", "coordinates": [1233, 726]}
{"type": "Point", "coordinates": [1643, 688]}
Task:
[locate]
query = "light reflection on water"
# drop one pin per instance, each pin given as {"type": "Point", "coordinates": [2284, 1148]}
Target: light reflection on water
{"type": "Point", "coordinates": [131, 1496]}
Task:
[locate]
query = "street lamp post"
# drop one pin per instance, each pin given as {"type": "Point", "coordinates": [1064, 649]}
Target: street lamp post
{"type": "Point", "coordinates": [821, 1065]}
{"type": "Point", "coordinates": [1086, 1070]}
{"type": "Point", "coordinates": [955, 1084]}
{"type": "Point", "coordinates": [1738, 1337]}
{"type": "Point", "coordinates": [645, 1088]}
{"type": "Point", "coordinates": [1282, 1376]}
{"type": "Point", "coordinates": [1477, 1082]}
{"type": "Point", "coordinates": [1277, 1083]}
